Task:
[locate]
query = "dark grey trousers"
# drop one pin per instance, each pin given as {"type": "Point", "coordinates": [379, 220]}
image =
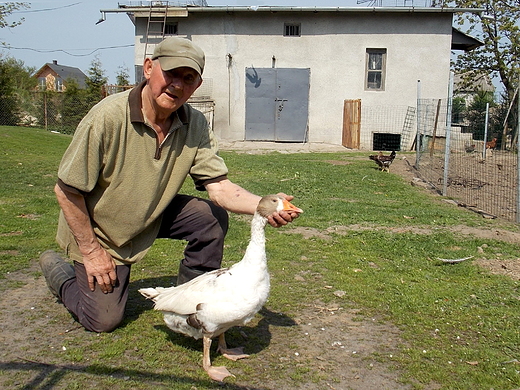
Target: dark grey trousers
{"type": "Point", "coordinates": [198, 221]}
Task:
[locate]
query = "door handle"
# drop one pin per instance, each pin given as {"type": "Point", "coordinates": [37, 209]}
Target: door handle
{"type": "Point", "coordinates": [280, 105]}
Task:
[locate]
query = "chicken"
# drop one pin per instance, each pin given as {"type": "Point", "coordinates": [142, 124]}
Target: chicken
{"type": "Point", "coordinates": [383, 161]}
{"type": "Point", "coordinates": [491, 144]}
{"type": "Point", "coordinates": [214, 302]}
{"type": "Point", "coordinates": [470, 148]}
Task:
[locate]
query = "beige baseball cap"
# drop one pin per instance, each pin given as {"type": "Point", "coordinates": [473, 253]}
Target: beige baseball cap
{"type": "Point", "coordinates": [176, 52]}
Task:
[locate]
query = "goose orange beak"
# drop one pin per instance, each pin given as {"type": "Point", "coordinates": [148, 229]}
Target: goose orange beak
{"type": "Point", "coordinates": [288, 206]}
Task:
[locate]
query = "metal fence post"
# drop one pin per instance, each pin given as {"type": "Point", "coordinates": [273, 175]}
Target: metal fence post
{"type": "Point", "coordinates": [447, 148]}
{"type": "Point", "coordinates": [518, 155]}
{"type": "Point", "coordinates": [486, 121]}
{"type": "Point", "coordinates": [45, 110]}
{"type": "Point", "coordinates": [418, 136]}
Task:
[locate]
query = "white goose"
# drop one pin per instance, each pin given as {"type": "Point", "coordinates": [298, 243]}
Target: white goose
{"type": "Point", "coordinates": [212, 303]}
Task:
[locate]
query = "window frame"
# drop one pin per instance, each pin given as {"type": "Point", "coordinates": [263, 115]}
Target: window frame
{"type": "Point", "coordinates": [381, 71]}
{"type": "Point", "coordinates": [42, 83]}
{"type": "Point", "coordinates": [58, 84]}
{"type": "Point", "coordinates": [174, 26]}
{"type": "Point", "coordinates": [296, 27]}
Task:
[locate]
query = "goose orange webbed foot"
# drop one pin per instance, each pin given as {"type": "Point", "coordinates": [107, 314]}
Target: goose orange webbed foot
{"type": "Point", "coordinates": [218, 373]}
{"type": "Point", "coordinates": [233, 353]}
{"type": "Point", "coordinates": [230, 353]}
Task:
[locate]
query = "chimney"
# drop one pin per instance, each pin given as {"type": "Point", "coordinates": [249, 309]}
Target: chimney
{"type": "Point", "coordinates": [55, 62]}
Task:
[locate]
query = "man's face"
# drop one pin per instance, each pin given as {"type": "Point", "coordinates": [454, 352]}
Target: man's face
{"type": "Point", "coordinates": [171, 89]}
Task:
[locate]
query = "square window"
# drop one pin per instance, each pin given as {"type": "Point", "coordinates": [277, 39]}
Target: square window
{"type": "Point", "coordinates": [291, 30]}
{"type": "Point", "coordinates": [171, 29]}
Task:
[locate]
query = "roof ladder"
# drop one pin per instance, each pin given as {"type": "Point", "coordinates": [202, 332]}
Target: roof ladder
{"type": "Point", "coordinates": [155, 28]}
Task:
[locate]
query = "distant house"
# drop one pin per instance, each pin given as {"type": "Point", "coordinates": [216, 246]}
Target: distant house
{"type": "Point", "coordinates": [339, 75]}
{"type": "Point", "coordinates": [54, 77]}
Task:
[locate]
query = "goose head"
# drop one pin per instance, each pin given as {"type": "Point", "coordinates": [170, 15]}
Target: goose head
{"type": "Point", "coordinates": [270, 204]}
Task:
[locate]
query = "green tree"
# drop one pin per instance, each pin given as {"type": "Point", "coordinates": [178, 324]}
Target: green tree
{"type": "Point", "coordinates": [21, 74]}
{"type": "Point", "coordinates": [16, 85]}
{"type": "Point", "coordinates": [458, 109]}
{"type": "Point", "coordinates": [10, 111]}
{"type": "Point", "coordinates": [122, 79]}
{"type": "Point", "coordinates": [498, 29]}
{"type": "Point", "coordinates": [96, 80]}
{"type": "Point", "coordinates": [476, 116]}
{"type": "Point", "coordinates": [9, 108]}
{"type": "Point", "coordinates": [74, 106]}
{"type": "Point", "coordinates": [123, 76]}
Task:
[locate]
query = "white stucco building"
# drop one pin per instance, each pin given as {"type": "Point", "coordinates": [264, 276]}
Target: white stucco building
{"type": "Point", "coordinates": [285, 73]}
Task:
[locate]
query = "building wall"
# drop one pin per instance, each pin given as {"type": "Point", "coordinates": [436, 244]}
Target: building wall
{"type": "Point", "coordinates": [332, 45]}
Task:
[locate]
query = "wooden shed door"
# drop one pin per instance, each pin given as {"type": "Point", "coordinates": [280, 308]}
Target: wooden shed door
{"type": "Point", "coordinates": [351, 123]}
{"type": "Point", "coordinates": [277, 103]}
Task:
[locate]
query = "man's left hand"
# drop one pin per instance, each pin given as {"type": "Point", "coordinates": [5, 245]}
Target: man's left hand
{"type": "Point", "coordinates": [282, 217]}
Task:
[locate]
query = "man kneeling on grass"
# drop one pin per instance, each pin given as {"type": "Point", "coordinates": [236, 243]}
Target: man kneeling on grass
{"type": "Point", "coordinates": [118, 185]}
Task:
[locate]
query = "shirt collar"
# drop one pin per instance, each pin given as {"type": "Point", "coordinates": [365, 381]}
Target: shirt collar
{"type": "Point", "coordinates": [135, 101]}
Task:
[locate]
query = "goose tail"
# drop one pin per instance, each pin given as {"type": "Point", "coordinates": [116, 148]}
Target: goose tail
{"type": "Point", "coordinates": [149, 293]}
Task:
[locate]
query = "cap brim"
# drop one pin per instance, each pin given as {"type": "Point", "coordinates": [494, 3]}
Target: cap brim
{"type": "Point", "coordinates": [169, 63]}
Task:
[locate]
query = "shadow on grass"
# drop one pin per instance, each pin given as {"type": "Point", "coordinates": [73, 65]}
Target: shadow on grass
{"type": "Point", "coordinates": [254, 339]}
{"type": "Point", "coordinates": [137, 304]}
{"type": "Point", "coordinates": [51, 376]}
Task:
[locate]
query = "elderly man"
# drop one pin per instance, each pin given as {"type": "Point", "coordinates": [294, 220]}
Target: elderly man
{"type": "Point", "coordinates": [118, 185]}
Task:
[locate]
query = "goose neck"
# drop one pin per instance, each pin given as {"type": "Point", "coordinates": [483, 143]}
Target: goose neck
{"type": "Point", "coordinates": [257, 228]}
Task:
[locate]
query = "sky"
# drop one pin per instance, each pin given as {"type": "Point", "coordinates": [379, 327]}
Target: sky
{"type": "Point", "coordinates": [66, 31]}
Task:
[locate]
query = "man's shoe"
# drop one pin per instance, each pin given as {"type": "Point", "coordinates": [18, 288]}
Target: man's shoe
{"type": "Point", "coordinates": [56, 271]}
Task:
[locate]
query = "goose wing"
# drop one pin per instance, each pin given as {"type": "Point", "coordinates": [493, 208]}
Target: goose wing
{"type": "Point", "coordinates": [183, 299]}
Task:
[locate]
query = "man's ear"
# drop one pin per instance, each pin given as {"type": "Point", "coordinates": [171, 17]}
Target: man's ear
{"type": "Point", "coordinates": [147, 68]}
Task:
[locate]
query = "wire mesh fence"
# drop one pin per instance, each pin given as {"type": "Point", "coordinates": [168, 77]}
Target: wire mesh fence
{"type": "Point", "coordinates": [461, 164]}
{"type": "Point", "coordinates": [464, 155]}
{"type": "Point", "coordinates": [389, 128]}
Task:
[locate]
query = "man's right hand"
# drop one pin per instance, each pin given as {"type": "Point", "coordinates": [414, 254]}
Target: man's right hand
{"type": "Point", "coordinates": [101, 269]}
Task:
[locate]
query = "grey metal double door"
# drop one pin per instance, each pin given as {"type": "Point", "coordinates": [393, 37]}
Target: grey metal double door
{"type": "Point", "coordinates": [277, 104]}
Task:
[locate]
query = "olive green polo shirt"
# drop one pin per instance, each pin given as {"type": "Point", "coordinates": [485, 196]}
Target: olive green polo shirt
{"type": "Point", "coordinates": [127, 178]}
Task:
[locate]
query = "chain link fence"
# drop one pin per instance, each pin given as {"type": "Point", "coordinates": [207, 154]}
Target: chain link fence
{"type": "Point", "coordinates": [53, 111]}
{"type": "Point", "coordinates": [62, 112]}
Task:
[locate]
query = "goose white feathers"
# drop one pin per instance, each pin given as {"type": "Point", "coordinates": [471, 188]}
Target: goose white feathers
{"type": "Point", "coordinates": [214, 302]}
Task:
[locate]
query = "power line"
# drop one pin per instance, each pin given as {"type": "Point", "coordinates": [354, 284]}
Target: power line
{"type": "Point", "coordinates": [65, 51]}
{"type": "Point", "coordinates": [46, 9]}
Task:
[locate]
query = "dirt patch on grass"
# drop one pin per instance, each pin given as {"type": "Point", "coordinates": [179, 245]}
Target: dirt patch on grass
{"type": "Point", "coordinates": [492, 234]}
{"type": "Point", "coordinates": [340, 347]}
{"type": "Point", "coordinates": [510, 268]}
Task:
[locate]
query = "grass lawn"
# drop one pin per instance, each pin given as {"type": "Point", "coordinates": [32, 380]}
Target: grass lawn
{"type": "Point", "coordinates": [366, 234]}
